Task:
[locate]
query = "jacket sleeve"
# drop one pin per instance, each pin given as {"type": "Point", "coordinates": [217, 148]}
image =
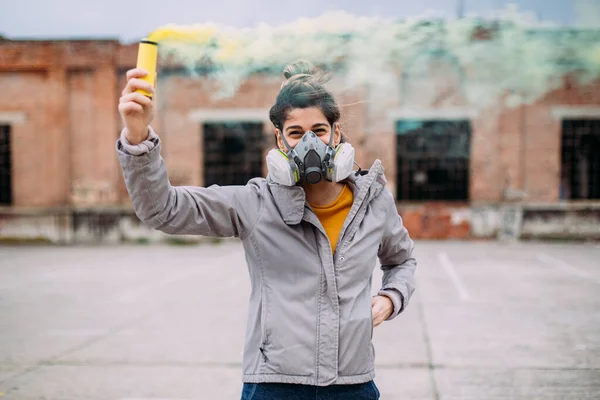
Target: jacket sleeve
{"type": "Point", "coordinates": [221, 211]}
{"type": "Point", "coordinates": [397, 262]}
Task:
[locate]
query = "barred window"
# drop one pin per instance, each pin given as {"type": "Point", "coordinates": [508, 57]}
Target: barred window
{"type": "Point", "coordinates": [432, 159]}
{"type": "Point", "coordinates": [580, 159]}
{"type": "Point", "coordinates": [5, 166]}
{"type": "Point", "coordinates": [233, 152]}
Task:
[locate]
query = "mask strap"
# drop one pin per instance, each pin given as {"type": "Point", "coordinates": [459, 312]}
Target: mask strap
{"type": "Point", "coordinates": [291, 152]}
{"type": "Point", "coordinates": [329, 153]}
{"type": "Point", "coordinates": [332, 135]}
{"type": "Point", "coordinates": [285, 141]}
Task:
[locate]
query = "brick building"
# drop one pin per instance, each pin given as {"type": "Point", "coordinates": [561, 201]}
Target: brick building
{"type": "Point", "coordinates": [457, 170]}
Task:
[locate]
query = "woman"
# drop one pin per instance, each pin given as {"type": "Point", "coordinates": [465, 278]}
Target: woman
{"type": "Point", "coordinates": [312, 232]}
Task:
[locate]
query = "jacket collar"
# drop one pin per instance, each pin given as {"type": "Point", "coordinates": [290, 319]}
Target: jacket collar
{"type": "Point", "coordinates": [291, 200]}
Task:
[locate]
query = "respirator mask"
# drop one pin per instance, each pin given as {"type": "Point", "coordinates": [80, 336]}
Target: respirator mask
{"type": "Point", "coordinates": [310, 161]}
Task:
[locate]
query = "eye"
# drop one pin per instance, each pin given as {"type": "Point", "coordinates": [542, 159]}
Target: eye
{"type": "Point", "coordinates": [295, 133]}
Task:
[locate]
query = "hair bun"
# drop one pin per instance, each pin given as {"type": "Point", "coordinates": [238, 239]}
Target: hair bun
{"type": "Point", "coordinates": [299, 68]}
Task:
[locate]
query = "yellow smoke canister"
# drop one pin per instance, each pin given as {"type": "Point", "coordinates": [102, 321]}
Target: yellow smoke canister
{"type": "Point", "coordinates": [147, 59]}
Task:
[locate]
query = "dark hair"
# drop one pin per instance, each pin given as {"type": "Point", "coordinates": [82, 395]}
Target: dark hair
{"type": "Point", "coordinates": [303, 88]}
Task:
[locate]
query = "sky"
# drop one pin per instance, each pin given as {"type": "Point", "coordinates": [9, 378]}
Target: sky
{"type": "Point", "coordinates": [129, 20]}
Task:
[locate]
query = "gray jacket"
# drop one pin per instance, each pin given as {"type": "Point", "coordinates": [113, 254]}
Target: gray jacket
{"type": "Point", "coordinates": [310, 319]}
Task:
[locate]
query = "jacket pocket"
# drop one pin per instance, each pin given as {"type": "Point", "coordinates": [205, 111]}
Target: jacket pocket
{"type": "Point", "coordinates": [356, 348]}
{"type": "Point", "coordinates": [287, 346]}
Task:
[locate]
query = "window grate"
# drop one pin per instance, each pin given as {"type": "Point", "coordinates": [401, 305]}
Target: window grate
{"type": "Point", "coordinates": [580, 159]}
{"type": "Point", "coordinates": [233, 152]}
{"type": "Point", "coordinates": [5, 166]}
{"type": "Point", "coordinates": [432, 160]}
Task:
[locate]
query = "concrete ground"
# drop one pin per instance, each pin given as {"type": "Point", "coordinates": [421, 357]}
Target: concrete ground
{"type": "Point", "coordinates": [488, 321]}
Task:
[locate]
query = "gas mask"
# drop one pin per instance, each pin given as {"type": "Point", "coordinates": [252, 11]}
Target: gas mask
{"type": "Point", "coordinates": [310, 161]}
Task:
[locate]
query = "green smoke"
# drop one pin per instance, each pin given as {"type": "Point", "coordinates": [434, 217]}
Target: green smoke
{"type": "Point", "coordinates": [510, 55]}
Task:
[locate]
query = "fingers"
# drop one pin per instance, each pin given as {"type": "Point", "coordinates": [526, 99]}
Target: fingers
{"type": "Point", "coordinates": [134, 81]}
{"type": "Point", "coordinates": [137, 98]}
{"type": "Point", "coordinates": [377, 318]}
{"type": "Point", "coordinates": [134, 84]}
{"type": "Point", "coordinates": [381, 307]}
{"type": "Point", "coordinates": [136, 73]}
{"type": "Point", "coordinates": [133, 102]}
{"type": "Point", "coordinates": [375, 313]}
{"type": "Point", "coordinates": [130, 107]}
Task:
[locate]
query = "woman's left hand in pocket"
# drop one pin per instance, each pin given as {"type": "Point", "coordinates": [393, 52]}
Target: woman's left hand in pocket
{"type": "Point", "coordinates": [382, 307]}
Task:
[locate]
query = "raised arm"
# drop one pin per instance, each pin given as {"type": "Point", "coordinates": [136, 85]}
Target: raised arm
{"type": "Point", "coordinates": [213, 211]}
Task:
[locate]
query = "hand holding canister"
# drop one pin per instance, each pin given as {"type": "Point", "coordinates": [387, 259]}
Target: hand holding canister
{"type": "Point", "coordinates": [136, 105]}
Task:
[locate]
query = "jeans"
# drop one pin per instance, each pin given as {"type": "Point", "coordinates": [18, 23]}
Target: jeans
{"type": "Point", "coordinates": [287, 391]}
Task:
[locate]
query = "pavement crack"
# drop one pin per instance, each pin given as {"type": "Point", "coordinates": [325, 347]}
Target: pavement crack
{"type": "Point", "coordinates": [427, 340]}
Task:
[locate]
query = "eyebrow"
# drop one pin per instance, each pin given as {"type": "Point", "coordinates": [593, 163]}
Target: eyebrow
{"type": "Point", "coordinates": [320, 124]}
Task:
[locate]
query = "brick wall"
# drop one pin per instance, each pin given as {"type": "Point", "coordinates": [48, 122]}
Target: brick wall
{"type": "Point", "coordinates": [66, 91]}
{"type": "Point", "coordinates": [63, 150]}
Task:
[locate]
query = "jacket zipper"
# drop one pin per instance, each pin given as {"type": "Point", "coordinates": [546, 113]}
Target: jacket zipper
{"type": "Point", "coordinates": [343, 242]}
